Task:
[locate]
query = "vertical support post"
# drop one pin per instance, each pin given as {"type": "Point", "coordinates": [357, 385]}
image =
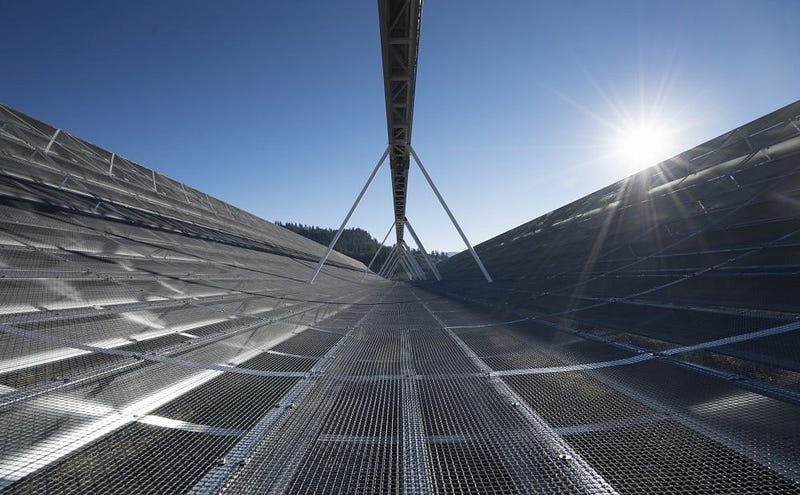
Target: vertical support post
{"type": "Point", "coordinates": [52, 140]}
{"type": "Point", "coordinates": [424, 253]}
{"type": "Point", "coordinates": [450, 214]}
{"type": "Point", "coordinates": [155, 189]}
{"type": "Point", "coordinates": [380, 246]}
{"type": "Point", "coordinates": [111, 166]}
{"type": "Point", "coordinates": [347, 218]}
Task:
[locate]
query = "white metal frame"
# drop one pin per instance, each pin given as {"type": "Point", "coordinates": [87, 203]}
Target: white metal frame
{"type": "Point", "coordinates": [401, 255]}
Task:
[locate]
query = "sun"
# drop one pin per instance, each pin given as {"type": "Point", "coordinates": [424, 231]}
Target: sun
{"type": "Point", "coordinates": [641, 145]}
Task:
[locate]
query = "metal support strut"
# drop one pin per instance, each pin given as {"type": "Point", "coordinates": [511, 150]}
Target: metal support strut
{"type": "Point", "coordinates": [424, 253]}
{"type": "Point", "coordinates": [387, 262]}
{"type": "Point", "coordinates": [414, 263]}
{"type": "Point", "coordinates": [407, 268]}
{"type": "Point", "coordinates": [416, 274]}
{"type": "Point", "coordinates": [380, 247]}
{"type": "Point", "coordinates": [450, 214]}
{"type": "Point", "coordinates": [393, 268]}
{"type": "Point", "coordinates": [347, 218]}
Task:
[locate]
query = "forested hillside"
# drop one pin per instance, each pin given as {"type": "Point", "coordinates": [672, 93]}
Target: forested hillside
{"type": "Point", "coordinates": [354, 242]}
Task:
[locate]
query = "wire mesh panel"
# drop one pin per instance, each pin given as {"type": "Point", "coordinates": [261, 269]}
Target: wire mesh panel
{"type": "Point", "coordinates": [650, 458]}
{"type": "Point", "coordinates": [653, 323]}
{"type": "Point", "coordinates": [643, 339]}
{"type": "Point", "coordinates": [135, 459]}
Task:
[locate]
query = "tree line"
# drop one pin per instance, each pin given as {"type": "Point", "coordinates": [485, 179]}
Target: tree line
{"type": "Point", "coordinates": [354, 242]}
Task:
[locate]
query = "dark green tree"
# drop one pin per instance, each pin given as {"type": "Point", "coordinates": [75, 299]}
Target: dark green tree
{"type": "Point", "coordinates": [354, 242]}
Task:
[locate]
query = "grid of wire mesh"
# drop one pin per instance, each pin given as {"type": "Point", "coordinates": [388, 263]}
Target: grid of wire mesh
{"type": "Point", "coordinates": [144, 326]}
{"type": "Point", "coordinates": [156, 340]}
{"type": "Point", "coordinates": [700, 248]}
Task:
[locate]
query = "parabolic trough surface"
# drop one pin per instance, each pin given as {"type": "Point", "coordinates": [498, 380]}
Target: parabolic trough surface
{"type": "Point", "coordinates": [643, 339]}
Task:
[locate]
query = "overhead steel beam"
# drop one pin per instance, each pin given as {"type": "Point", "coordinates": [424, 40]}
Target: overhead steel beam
{"type": "Point", "coordinates": [399, 26]}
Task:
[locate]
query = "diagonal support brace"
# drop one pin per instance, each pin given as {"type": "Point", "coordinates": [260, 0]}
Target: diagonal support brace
{"type": "Point", "coordinates": [380, 247]}
{"type": "Point", "coordinates": [412, 263]}
{"type": "Point", "coordinates": [387, 262]}
{"type": "Point", "coordinates": [347, 218]}
{"type": "Point", "coordinates": [430, 264]}
{"type": "Point", "coordinates": [450, 214]}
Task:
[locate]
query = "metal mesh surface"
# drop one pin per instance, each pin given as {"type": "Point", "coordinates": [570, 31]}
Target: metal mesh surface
{"type": "Point", "coordinates": [641, 340]}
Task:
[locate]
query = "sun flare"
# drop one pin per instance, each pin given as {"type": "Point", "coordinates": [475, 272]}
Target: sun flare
{"type": "Point", "coordinates": [642, 145]}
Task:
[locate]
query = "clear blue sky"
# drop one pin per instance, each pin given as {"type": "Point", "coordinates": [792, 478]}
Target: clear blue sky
{"type": "Point", "coordinates": [277, 107]}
